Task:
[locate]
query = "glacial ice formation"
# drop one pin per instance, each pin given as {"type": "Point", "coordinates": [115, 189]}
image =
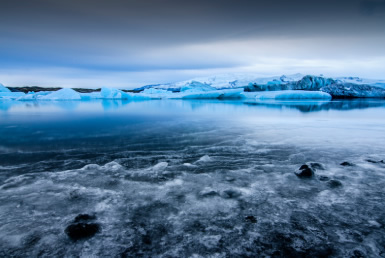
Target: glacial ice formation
{"type": "Point", "coordinates": [293, 95]}
{"type": "Point", "coordinates": [111, 93]}
{"type": "Point", "coordinates": [155, 91]}
{"type": "Point", "coordinates": [226, 81]}
{"type": "Point", "coordinates": [108, 93]}
{"type": "Point", "coordinates": [11, 95]}
{"type": "Point", "coordinates": [215, 94]}
{"type": "Point", "coordinates": [195, 86]}
{"type": "Point", "coordinates": [63, 94]}
{"type": "Point", "coordinates": [3, 88]}
{"type": "Point", "coordinates": [228, 86]}
{"type": "Point", "coordinates": [340, 87]}
{"type": "Point", "coordinates": [34, 96]}
{"type": "Point", "coordinates": [350, 90]}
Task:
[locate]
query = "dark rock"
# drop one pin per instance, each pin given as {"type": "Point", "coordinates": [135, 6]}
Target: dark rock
{"type": "Point", "coordinates": [324, 178]}
{"type": "Point", "coordinates": [84, 217]}
{"type": "Point", "coordinates": [146, 239]}
{"type": "Point", "coordinates": [375, 162]}
{"type": "Point", "coordinates": [251, 219]}
{"type": "Point", "coordinates": [334, 183]}
{"type": "Point", "coordinates": [358, 254]}
{"type": "Point", "coordinates": [305, 172]}
{"type": "Point", "coordinates": [347, 164]}
{"type": "Point", "coordinates": [27, 89]}
{"type": "Point", "coordinates": [82, 90]}
{"type": "Point", "coordinates": [82, 230]}
{"type": "Point", "coordinates": [230, 194]}
{"type": "Point", "coordinates": [303, 167]}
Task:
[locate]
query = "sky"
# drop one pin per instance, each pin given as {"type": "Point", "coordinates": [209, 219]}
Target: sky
{"type": "Point", "coordinates": [131, 43]}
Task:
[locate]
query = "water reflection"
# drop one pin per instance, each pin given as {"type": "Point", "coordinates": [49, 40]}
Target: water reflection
{"type": "Point", "coordinates": [313, 106]}
{"type": "Point", "coordinates": [190, 105]}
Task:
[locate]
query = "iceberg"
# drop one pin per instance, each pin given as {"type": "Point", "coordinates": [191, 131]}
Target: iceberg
{"type": "Point", "coordinates": [155, 91]}
{"type": "Point", "coordinates": [3, 88]}
{"type": "Point", "coordinates": [11, 95]}
{"type": "Point", "coordinates": [360, 81]}
{"type": "Point", "coordinates": [350, 90]}
{"type": "Point", "coordinates": [292, 95]}
{"type": "Point", "coordinates": [109, 93]}
{"type": "Point", "coordinates": [194, 90]}
{"type": "Point", "coordinates": [226, 81]}
{"type": "Point", "coordinates": [33, 95]}
{"type": "Point", "coordinates": [196, 86]}
{"type": "Point", "coordinates": [63, 94]}
{"type": "Point", "coordinates": [214, 94]}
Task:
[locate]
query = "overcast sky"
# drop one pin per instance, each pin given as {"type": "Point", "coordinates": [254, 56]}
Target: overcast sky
{"type": "Point", "coordinates": [117, 43]}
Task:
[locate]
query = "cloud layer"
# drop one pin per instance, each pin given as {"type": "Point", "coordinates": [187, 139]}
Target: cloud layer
{"type": "Point", "coordinates": [131, 43]}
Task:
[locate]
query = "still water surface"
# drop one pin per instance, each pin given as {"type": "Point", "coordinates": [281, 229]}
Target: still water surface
{"type": "Point", "coordinates": [174, 178]}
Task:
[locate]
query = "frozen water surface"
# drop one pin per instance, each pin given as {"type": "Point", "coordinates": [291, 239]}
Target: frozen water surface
{"type": "Point", "coordinates": [185, 178]}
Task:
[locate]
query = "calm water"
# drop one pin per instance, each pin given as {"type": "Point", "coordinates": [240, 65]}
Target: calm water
{"type": "Point", "coordinates": [174, 178]}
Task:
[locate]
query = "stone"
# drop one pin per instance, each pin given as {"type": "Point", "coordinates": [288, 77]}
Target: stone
{"type": "Point", "coordinates": [347, 164]}
{"type": "Point", "coordinates": [305, 172]}
{"type": "Point", "coordinates": [251, 219]}
{"type": "Point", "coordinates": [79, 231]}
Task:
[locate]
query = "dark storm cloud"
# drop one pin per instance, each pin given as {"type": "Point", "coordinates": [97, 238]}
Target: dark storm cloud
{"type": "Point", "coordinates": [140, 35]}
{"type": "Point", "coordinates": [173, 22]}
{"type": "Point", "coordinates": [371, 7]}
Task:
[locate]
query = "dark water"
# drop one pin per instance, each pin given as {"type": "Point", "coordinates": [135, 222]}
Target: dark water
{"type": "Point", "coordinates": [173, 178]}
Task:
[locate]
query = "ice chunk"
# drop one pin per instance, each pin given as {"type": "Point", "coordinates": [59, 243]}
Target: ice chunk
{"type": "Point", "coordinates": [214, 94]}
{"type": "Point", "coordinates": [63, 94]}
{"type": "Point", "coordinates": [155, 91]}
{"type": "Point", "coordinates": [160, 166]}
{"type": "Point", "coordinates": [109, 93]}
{"type": "Point", "coordinates": [91, 95]}
{"type": "Point", "coordinates": [34, 96]}
{"type": "Point", "coordinates": [195, 86]}
{"type": "Point", "coordinates": [205, 158]}
{"type": "Point", "coordinates": [350, 90]}
{"type": "Point", "coordinates": [11, 95]}
{"type": "Point", "coordinates": [360, 81]}
{"type": "Point", "coordinates": [231, 94]}
{"type": "Point", "coordinates": [3, 88]}
{"type": "Point", "coordinates": [292, 95]}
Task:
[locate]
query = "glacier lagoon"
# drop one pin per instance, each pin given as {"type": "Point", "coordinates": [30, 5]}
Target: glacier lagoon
{"type": "Point", "coordinates": [177, 178]}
